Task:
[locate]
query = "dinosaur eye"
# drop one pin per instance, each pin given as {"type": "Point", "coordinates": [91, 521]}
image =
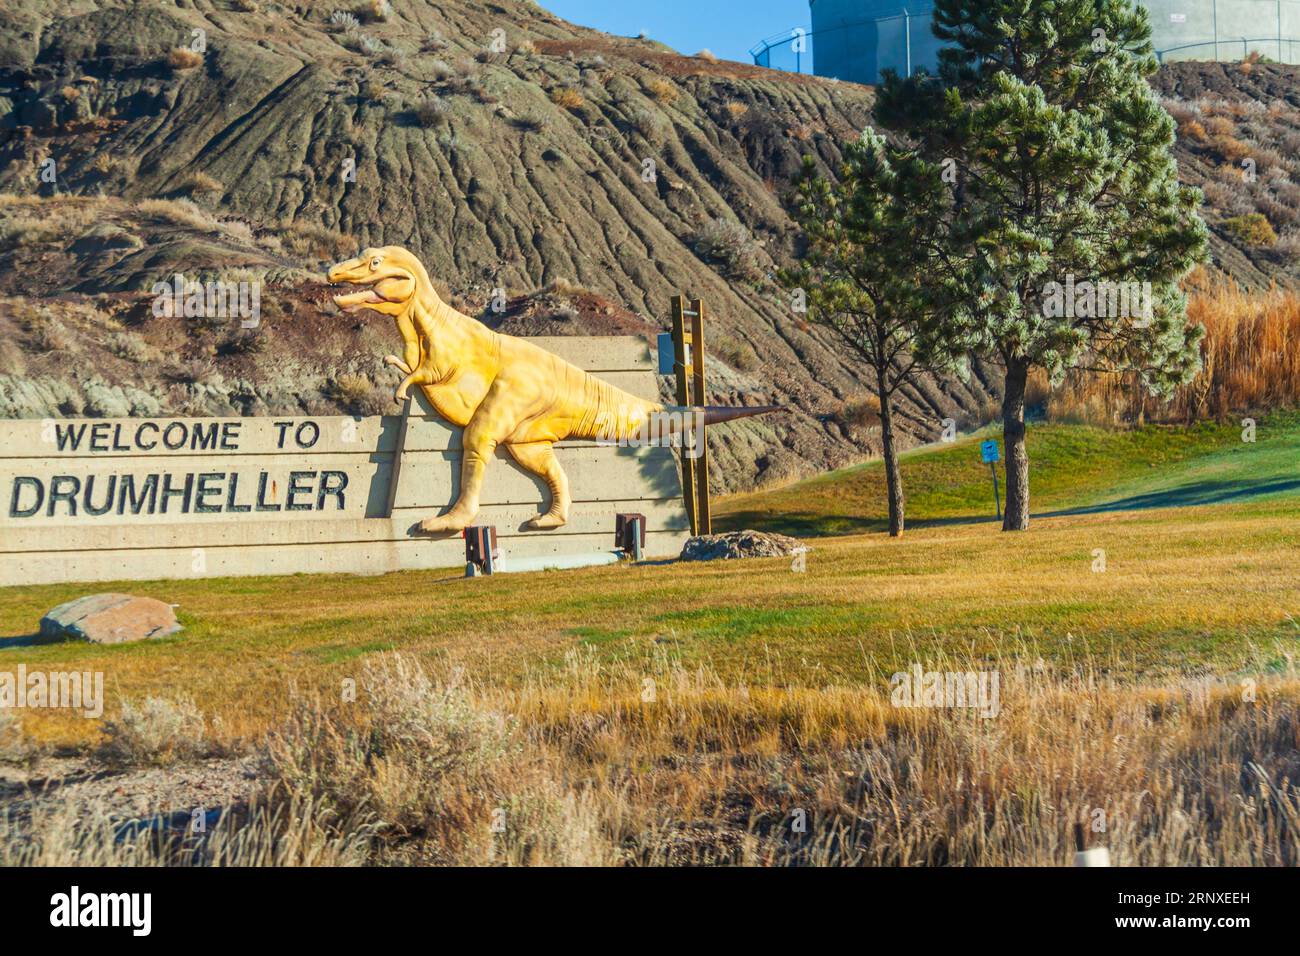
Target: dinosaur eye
{"type": "Point", "coordinates": [374, 263]}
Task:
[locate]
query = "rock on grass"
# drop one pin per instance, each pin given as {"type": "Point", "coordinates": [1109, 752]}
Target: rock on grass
{"type": "Point", "coordinates": [741, 544]}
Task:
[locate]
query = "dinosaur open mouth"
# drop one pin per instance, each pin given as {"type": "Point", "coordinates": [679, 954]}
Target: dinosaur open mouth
{"type": "Point", "coordinates": [358, 295]}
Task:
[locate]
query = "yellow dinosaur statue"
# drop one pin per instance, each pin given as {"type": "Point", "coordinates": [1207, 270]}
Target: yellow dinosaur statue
{"type": "Point", "coordinates": [502, 390]}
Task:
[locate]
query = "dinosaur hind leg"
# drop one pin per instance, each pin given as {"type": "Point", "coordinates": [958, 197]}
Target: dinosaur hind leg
{"type": "Point", "coordinates": [539, 458]}
{"type": "Point", "coordinates": [479, 443]}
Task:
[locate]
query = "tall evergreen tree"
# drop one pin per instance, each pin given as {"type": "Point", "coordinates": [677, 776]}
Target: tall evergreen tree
{"type": "Point", "coordinates": [1060, 159]}
{"type": "Point", "coordinates": [868, 272]}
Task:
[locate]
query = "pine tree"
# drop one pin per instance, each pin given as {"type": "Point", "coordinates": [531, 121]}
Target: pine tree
{"type": "Point", "coordinates": [868, 272]}
{"type": "Point", "coordinates": [1064, 185]}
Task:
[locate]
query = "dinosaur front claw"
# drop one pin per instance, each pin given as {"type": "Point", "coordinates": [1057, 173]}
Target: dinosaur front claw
{"type": "Point", "coordinates": [397, 363]}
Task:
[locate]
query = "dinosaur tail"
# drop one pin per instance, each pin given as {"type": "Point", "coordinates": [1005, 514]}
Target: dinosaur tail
{"type": "Point", "coordinates": [716, 414]}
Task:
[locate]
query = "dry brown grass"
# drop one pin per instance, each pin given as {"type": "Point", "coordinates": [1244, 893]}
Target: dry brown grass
{"type": "Point", "coordinates": [606, 764]}
{"type": "Point", "coordinates": [1250, 356]}
{"type": "Point", "coordinates": [662, 91]}
{"type": "Point", "coordinates": [567, 98]}
{"type": "Point", "coordinates": [183, 58]}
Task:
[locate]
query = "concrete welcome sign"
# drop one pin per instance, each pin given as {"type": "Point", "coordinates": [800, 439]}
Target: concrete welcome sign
{"type": "Point", "coordinates": [118, 499]}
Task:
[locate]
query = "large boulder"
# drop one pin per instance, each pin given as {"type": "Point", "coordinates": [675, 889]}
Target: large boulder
{"type": "Point", "coordinates": [741, 544]}
{"type": "Point", "coordinates": [110, 619]}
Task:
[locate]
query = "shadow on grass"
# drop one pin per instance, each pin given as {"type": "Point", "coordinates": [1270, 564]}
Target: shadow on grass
{"type": "Point", "coordinates": [1189, 496]}
{"type": "Point", "coordinates": [1196, 494]}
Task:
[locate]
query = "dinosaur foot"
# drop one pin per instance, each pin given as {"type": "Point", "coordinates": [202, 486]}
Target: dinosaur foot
{"type": "Point", "coordinates": [450, 523]}
{"type": "Point", "coordinates": [547, 521]}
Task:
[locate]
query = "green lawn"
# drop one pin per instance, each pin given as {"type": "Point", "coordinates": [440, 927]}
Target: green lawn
{"type": "Point", "coordinates": [1073, 468]}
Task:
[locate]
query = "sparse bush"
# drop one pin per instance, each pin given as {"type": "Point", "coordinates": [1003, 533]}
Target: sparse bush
{"type": "Point", "coordinates": [737, 109]}
{"type": "Point", "coordinates": [1253, 229]}
{"type": "Point", "coordinates": [648, 123]}
{"type": "Point", "coordinates": [244, 342]}
{"type": "Point", "coordinates": [526, 47]}
{"type": "Point", "coordinates": [662, 91]}
{"type": "Point", "coordinates": [48, 334]}
{"type": "Point", "coordinates": [153, 733]}
{"type": "Point", "coordinates": [707, 55]}
{"type": "Point", "coordinates": [201, 182]}
{"type": "Point", "coordinates": [861, 411]}
{"type": "Point", "coordinates": [181, 212]}
{"type": "Point", "coordinates": [734, 353]}
{"type": "Point", "coordinates": [131, 347]}
{"type": "Point", "coordinates": [316, 242]}
{"type": "Point", "coordinates": [344, 21]}
{"type": "Point", "coordinates": [183, 58]}
{"type": "Point", "coordinates": [358, 395]}
{"type": "Point", "coordinates": [434, 42]}
{"type": "Point", "coordinates": [1193, 130]}
{"type": "Point", "coordinates": [408, 758]}
{"type": "Point", "coordinates": [567, 97]}
{"type": "Point", "coordinates": [432, 111]}
{"type": "Point", "coordinates": [728, 244]}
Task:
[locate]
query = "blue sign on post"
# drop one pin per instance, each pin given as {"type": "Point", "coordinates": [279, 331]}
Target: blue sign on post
{"type": "Point", "coordinates": [989, 452]}
{"type": "Point", "coordinates": [667, 354]}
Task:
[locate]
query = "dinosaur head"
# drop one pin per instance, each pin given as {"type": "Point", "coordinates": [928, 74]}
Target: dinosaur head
{"type": "Point", "coordinates": [387, 278]}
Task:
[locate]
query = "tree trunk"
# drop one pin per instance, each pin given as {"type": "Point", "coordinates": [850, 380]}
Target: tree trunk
{"type": "Point", "coordinates": [1015, 517]}
{"type": "Point", "coordinates": [893, 478]}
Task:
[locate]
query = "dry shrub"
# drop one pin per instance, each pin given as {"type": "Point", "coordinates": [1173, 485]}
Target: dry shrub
{"type": "Point", "coordinates": [860, 411]}
{"type": "Point", "coordinates": [1193, 130]}
{"type": "Point", "coordinates": [33, 220]}
{"type": "Point", "coordinates": [414, 755]}
{"type": "Point", "coordinates": [153, 733]}
{"type": "Point", "coordinates": [180, 212]}
{"type": "Point", "coordinates": [707, 56]}
{"type": "Point", "coordinates": [1253, 229]}
{"type": "Point", "coordinates": [734, 352]}
{"type": "Point", "coordinates": [201, 182]}
{"type": "Point", "coordinates": [314, 242]}
{"type": "Point", "coordinates": [433, 111]}
{"type": "Point", "coordinates": [567, 98]}
{"type": "Point", "coordinates": [358, 395]}
{"type": "Point", "coordinates": [662, 91]}
{"type": "Point", "coordinates": [49, 334]}
{"type": "Point", "coordinates": [1250, 359]}
{"type": "Point", "coordinates": [737, 109]}
{"type": "Point", "coordinates": [131, 347]}
{"type": "Point", "coordinates": [1231, 149]}
{"type": "Point", "coordinates": [729, 245]}
{"type": "Point", "coordinates": [183, 58]}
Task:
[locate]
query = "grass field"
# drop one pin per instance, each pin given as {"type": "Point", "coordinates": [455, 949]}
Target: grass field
{"type": "Point", "coordinates": [1209, 589]}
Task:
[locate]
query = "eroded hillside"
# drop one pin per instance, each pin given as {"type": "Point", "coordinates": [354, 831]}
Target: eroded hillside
{"type": "Point", "coordinates": [587, 177]}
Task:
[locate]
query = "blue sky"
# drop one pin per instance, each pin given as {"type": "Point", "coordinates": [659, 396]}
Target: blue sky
{"type": "Point", "coordinates": [727, 27]}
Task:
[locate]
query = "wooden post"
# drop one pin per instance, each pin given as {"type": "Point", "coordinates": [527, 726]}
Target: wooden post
{"type": "Point", "coordinates": [680, 340]}
{"type": "Point", "coordinates": [704, 518]}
